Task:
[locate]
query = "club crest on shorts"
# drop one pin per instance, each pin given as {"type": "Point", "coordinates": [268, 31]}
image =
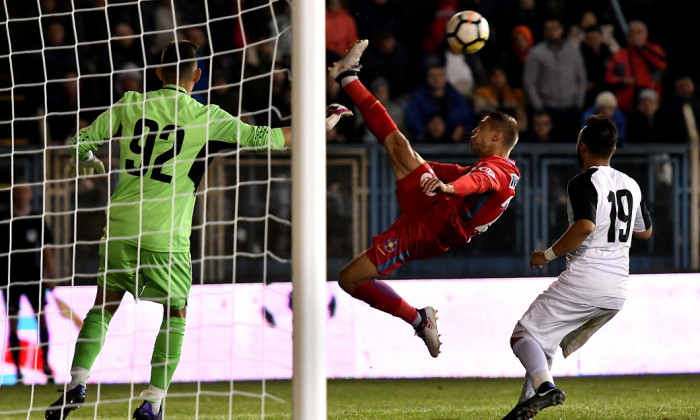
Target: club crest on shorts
{"type": "Point", "coordinates": [391, 244]}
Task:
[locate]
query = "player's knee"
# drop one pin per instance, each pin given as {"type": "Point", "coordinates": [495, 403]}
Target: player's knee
{"type": "Point", "coordinates": [396, 142]}
{"type": "Point", "coordinates": [345, 280]}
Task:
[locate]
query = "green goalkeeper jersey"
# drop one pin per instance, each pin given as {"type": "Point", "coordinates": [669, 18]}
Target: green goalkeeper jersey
{"type": "Point", "coordinates": [165, 139]}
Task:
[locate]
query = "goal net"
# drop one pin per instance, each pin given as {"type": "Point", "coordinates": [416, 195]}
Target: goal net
{"type": "Point", "coordinates": [63, 63]}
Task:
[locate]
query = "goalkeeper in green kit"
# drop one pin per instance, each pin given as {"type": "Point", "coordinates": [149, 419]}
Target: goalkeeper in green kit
{"type": "Point", "coordinates": [165, 138]}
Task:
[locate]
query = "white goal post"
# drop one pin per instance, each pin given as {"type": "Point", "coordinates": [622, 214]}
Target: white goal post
{"type": "Point", "coordinates": [309, 215]}
{"type": "Point", "coordinates": [47, 103]}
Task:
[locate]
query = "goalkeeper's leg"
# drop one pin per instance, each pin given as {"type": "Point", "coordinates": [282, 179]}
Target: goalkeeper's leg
{"type": "Point", "coordinates": [164, 361]}
{"type": "Point", "coordinates": [93, 332]}
{"type": "Point", "coordinates": [90, 341]}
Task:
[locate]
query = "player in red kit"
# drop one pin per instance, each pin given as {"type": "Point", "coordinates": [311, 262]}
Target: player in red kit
{"type": "Point", "coordinates": [442, 204]}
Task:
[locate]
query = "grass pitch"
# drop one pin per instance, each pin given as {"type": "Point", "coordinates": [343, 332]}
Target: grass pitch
{"type": "Point", "coordinates": [660, 397]}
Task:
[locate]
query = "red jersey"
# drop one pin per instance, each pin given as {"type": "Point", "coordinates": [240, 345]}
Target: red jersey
{"type": "Point", "coordinates": [482, 193]}
{"type": "Point", "coordinates": [433, 222]}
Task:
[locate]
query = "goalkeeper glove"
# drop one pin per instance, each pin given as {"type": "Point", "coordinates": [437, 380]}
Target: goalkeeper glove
{"type": "Point", "coordinates": [87, 166]}
{"type": "Point", "coordinates": [334, 112]}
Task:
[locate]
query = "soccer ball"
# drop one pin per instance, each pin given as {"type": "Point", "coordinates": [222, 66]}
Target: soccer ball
{"type": "Point", "coordinates": [467, 32]}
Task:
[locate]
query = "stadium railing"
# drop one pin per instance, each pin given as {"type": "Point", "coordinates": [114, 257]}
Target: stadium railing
{"type": "Point", "coordinates": [361, 202]}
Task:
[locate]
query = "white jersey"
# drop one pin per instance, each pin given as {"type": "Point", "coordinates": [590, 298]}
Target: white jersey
{"type": "Point", "coordinates": [597, 271]}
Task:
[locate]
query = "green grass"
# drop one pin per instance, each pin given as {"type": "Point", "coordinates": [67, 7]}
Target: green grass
{"type": "Point", "coordinates": [661, 397]}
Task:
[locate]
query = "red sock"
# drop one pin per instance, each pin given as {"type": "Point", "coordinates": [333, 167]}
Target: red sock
{"type": "Point", "coordinates": [373, 112]}
{"type": "Point", "coordinates": [380, 295]}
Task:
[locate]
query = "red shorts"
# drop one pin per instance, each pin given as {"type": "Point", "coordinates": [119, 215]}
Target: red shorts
{"type": "Point", "coordinates": [408, 238]}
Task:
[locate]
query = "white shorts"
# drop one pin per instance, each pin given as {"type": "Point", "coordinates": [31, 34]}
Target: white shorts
{"type": "Point", "coordinates": [554, 320]}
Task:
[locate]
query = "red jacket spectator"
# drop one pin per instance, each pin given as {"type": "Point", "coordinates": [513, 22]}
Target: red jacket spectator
{"type": "Point", "coordinates": [635, 67]}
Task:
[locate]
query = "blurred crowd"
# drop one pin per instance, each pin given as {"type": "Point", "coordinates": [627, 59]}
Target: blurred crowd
{"type": "Point", "coordinates": [548, 63]}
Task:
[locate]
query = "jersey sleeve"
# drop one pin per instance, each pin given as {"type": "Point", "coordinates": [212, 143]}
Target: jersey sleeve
{"type": "Point", "coordinates": [105, 126]}
{"type": "Point", "coordinates": [583, 197]}
{"type": "Point", "coordinates": [642, 221]}
{"type": "Point", "coordinates": [226, 128]}
{"type": "Point", "coordinates": [448, 172]}
{"type": "Point", "coordinates": [480, 180]}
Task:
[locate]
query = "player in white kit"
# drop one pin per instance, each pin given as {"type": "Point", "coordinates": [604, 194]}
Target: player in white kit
{"type": "Point", "coordinates": [605, 210]}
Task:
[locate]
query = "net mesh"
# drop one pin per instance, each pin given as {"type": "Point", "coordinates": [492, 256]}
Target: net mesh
{"type": "Point", "coordinates": [61, 65]}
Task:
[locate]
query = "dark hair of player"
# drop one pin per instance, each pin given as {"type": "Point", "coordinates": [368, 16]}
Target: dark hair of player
{"type": "Point", "coordinates": [179, 55]}
{"type": "Point", "coordinates": [599, 135]}
{"type": "Point", "coordinates": [507, 124]}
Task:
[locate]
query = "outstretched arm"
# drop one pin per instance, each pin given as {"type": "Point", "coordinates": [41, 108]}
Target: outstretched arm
{"type": "Point", "coordinates": [287, 134]}
{"type": "Point", "coordinates": [90, 138]}
{"type": "Point", "coordinates": [334, 112]}
{"type": "Point", "coordinates": [570, 240]}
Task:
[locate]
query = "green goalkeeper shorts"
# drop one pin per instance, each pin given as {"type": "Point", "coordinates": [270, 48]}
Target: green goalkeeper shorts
{"type": "Point", "coordinates": [161, 277]}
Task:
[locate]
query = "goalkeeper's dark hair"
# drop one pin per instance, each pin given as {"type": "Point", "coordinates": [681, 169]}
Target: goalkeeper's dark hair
{"type": "Point", "coordinates": [179, 56]}
{"type": "Point", "coordinates": [599, 135]}
{"type": "Point", "coordinates": [508, 125]}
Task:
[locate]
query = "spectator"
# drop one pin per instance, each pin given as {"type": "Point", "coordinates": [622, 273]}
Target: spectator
{"type": "Point", "coordinates": [339, 219]}
{"type": "Point", "coordinates": [498, 95]}
{"type": "Point", "coordinates": [554, 79]}
{"type": "Point", "coordinates": [223, 94]}
{"type": "Point", "coordinates": [464, 71]}
{"type": "Point", "coordinates": [130, 80]}
{"type": "Point", "coordinates": [437, 96]}
{"type": "Point", "coordinates": [438, 24]}
{"type": "Point", "coordinates": [643, 129]}
{"type": "Point", "coordinates": [635, 67]}
{"type": "Point", "coordinates": [541, 129]}
{"type": "Point", "coordinates": [642, 120]}
{"type": "Point", "coordinates": [125, 47]}
{"type": "Point", "coordinates": [62, 103]}
{"type": "Point", "coordinates": [59, 56]}
{"type": "Point", "coordinates": [374, 16]}
{"type": "Point", "coordinates": [204, 61]}
{"type": "Point", "coordinates": [577, 32]}
{"type": "Point", "coordinates": [255, 91]}
{"type": "Point", "coordinates": [521, 43]}
{"type": "Point", "coordinates": [27, 232]}
{"type": "Point", "coordinates": [92, 29]}
{"type": "Point", "coordinates": [596, 56]}
{"type": "Point", "coordinates": [531, 13]}
{"type": "Point", "coordinates": [163, 16]}
{"type": "Point", "coordinates": [281, 96]}
{"type": "Point", "coordinates": [283, 19]}
{"type": "Point", "coordinates": [436, 131]}
{"type": "Point", "coordinates": [388, 58]}
{"type": "Point", "coordinates": [341, 30]}
{"type": "Point", "coordinates": [606, 104]}
{"type": "Point", "coordinates": [381, 89]}
{"type": "Point", "coordinates": [672, 120]}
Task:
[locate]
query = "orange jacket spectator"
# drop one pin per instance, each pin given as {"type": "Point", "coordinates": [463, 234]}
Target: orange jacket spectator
{"type": "Point", "coordinates": [635, 67]}
{"type": "Point", "coordinates": [498, 95]}
{"type": "Point", "coordinates": [341, 29]}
